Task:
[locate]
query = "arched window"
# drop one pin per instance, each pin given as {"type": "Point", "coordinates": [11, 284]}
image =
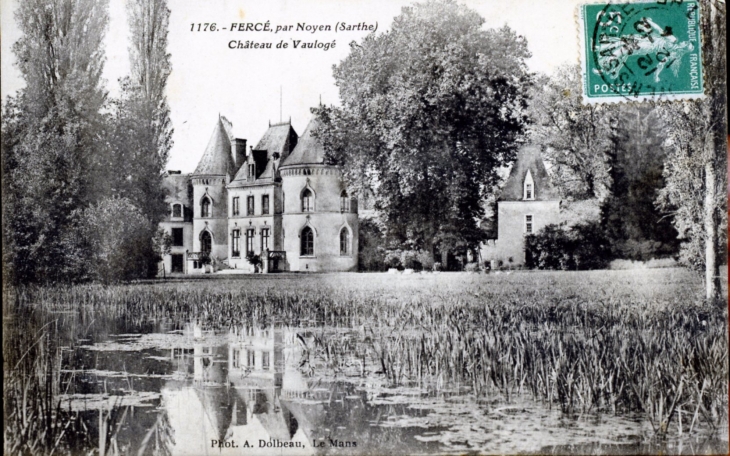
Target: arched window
{"type": "Point", "coordinates": [205, 208]}
{"type": "Point", "coordinates": [307, 201]}
{"type": "Point", "coordinates": [206, 242]}
{"type": "Point", "coordinates": [177, 210]}
{"type": "Point", "coordinates": [344, 241]}
{"type": "Point", "coordinates": [529, 187]}
{"type": "Point", "coordinates": [307, 241]}
{"type": "Point", "coordinates": [344, 201]}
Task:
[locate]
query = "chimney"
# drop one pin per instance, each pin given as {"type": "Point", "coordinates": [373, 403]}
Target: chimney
{"type": "Point", "coordinates": [239, 154]}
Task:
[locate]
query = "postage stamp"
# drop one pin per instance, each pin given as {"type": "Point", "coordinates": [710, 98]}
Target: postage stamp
{"type": "Point", "coordinates": [640, 51]}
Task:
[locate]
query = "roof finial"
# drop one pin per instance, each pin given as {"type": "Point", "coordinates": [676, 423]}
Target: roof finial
{"type": "Point", "coordinates": [320, 100]}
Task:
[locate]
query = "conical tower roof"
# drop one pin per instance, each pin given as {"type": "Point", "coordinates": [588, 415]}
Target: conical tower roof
{"type": "Point", "coordinates": [309, 150]}
{"type": "Point", "coordinates": [528, 159]}
{"type": "Point", "coordinates": [217, 159]}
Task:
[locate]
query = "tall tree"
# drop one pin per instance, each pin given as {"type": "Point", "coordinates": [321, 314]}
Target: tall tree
{"type": "Point", "coordinates": [51, 131]}
{"type": "Point", "coordinates": [430, 110]}
{"type": "Point", "coordinates": [142, 138]}
{"type": "Point", "coordinates": [696, 173]}
{"type": "Point", "coordinates": [576, 140]}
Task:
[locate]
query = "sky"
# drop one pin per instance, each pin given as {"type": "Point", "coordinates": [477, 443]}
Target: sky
{"type": "Point", "coordinates": [252, 87]}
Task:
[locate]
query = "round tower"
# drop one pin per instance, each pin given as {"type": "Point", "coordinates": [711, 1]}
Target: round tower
{"type": "Point", "coordinates": [319, 221]}
{"type": "Point", "coordinates": [210, 199]}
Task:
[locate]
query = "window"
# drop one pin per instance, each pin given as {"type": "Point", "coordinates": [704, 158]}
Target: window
{"type": "Point", "coordinates": [206, 242]}
{"type": "Point", "coordinates": [205, 208]}
{"type": "Point", "coordinates": [307, 201]}
{"type": "Point", "coordinates": [344, 241]}
{"type": "Point", "coordinates": [236, 243]}
{"type": "Point", "coordinates": [529, 187]}
{"type": "Point", "coordinates": [249, 205]}
{"type": "Point", "coordinates": [528, 224]}
{"type": "Point", "coordinates": [344, 202]}
{"type": "Point", "coordinates": [251, 171]}
{"type": "Point", "coordinates": [265, 204]}
{"type": "Point", "coordinates": [249, 240]}
{"type": "Point", "coordinates": [177, 210]}
{"type": "Point", "coordinates": [265, 360]}
{"type": "Point", "coordinates": [307, 242]}
{"type": "Point", "coordinates": [177, 237]}
{"type": "Point", "coordinates": [177, 263]}
{"type": "Point", "coordinates": [236, 359]}
{"type": "Point", "coordinates": [235, 206]}
{"type": "Point", "coordinates": [251, 358]}
{"type": "Point", "coordinates": [264, 239]}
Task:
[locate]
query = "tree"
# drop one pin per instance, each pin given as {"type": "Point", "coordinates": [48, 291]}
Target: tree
{"type": "Point", "coordinates": [639, 230]}
{"type": "Point", "coordinates": [142, 137]}
{"type": "Point", "coordinates": [696, 179]}
{"type": "Point", "coordinates": [119, 240]}
{"type": "Point", "coordinates": [51, 131]}
{"type": "Point", "coordinates": [576, 140]}
{"type": "Point", "coordinates": [430, 110]}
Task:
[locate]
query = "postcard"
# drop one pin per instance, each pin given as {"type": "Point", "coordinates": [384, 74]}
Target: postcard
{"type": "Point", "coordinates": [364, 227]}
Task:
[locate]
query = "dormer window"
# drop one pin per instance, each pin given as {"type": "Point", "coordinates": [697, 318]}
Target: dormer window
{"type": "Point", "coordinates": [177, 210]}
{"type": "Point", "coordinates": [529, 187]}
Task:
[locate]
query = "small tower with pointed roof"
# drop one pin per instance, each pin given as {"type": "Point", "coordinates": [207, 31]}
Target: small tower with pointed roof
{"type": "Point", "coordinates": [220, 161]}
{"type": "Point", "coordinates": [527, 203]}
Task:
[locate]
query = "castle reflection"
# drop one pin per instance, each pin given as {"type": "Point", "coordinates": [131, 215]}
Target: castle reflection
{"type": "Point", "coordinates": [247, 388]}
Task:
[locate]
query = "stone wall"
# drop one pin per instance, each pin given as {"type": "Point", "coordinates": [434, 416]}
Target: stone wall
{"type": "Point", "coordinates": [511, 228]}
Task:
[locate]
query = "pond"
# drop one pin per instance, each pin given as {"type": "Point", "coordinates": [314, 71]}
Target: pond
{"type": "Point", "coordinates": [262, 391]}
{"type": "Point", "coordinates": [600, 363]}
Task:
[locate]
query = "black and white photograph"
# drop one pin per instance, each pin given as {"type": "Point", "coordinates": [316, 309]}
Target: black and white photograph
{"type": "Point", "coordinates": [364, 227]}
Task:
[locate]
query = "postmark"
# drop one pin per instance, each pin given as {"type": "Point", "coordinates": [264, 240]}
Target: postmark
{"type": "Point", "coordinates": [641, 51]}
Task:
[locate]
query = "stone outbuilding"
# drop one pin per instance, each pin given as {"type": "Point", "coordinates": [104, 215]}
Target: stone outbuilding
{"type": "Point", "coordinates": [527, 203]}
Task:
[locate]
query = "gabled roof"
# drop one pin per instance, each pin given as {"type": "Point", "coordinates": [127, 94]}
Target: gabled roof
{"type": "Point", "coordinates": [217, 159]}
{"type": "Point", "coordinates": [528, 158]}
{"type": "Point", "coordinates": [279, 138]}
{"type": "Point", "coordinates": [309, 150]}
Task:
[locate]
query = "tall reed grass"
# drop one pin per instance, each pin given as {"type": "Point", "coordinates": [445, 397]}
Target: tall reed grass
{"type": "Point", "coordinates": [608, 341]}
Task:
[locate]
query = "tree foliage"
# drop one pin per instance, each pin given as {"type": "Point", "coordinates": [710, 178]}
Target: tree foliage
{"type": "Point", "coordinates": [582, 246]}
{"type": "Point", "coordinates": [117, 251]}
{"type": "Point", "coordinates": [430, 110]}
{"type": "Point", "coordinates": [68, 151]}
{"type": "Point", "coordinates": [50, 132]}
{"type": "Point", "coordinates": [696, 172]}
{"type": "Point", "coordinates": [576, 140]}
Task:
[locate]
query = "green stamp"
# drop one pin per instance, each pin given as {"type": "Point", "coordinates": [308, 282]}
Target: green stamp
{"type": "Point", "coordinates": [639, 51]}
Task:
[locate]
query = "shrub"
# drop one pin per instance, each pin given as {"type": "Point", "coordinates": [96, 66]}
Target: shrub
{"type": "Point", "coordinates": [472, 267]}
{"type": "Point", "coordinates": [371, 253]}
{"type": "Point", "coordinates": [392, 259]}
{"type": "Point", "coordinates": [426, 260]}
{"type": "Point", "coordinates": [409, 259]}
{"type": "Point", "coordinates": [119, 241]}
{"type": "Point", "coordinates": [437, 266]}
{"type": "Point", "coordinates": [582, 246]}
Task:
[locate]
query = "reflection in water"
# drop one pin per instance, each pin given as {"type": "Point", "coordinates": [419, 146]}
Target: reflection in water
{"type": "Point", "coordinates": [196, 392]}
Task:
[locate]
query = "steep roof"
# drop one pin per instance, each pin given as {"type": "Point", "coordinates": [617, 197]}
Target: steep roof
{"type": "Point", "coordinates": [278, 138]}
{"type": "Point", "coordinates": [217, 159]}
{"type": "Point", "coordinates": [528, 158]}
{"type": "Point", "coordinates": [309, 150]}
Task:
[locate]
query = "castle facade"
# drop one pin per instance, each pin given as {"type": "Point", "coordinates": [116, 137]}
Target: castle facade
{"type": "Point", "coordinates": [277, 201]}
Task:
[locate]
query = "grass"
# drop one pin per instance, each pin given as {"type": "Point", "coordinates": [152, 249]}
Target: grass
{"type": "Point", "coordinates": [598, 341]}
